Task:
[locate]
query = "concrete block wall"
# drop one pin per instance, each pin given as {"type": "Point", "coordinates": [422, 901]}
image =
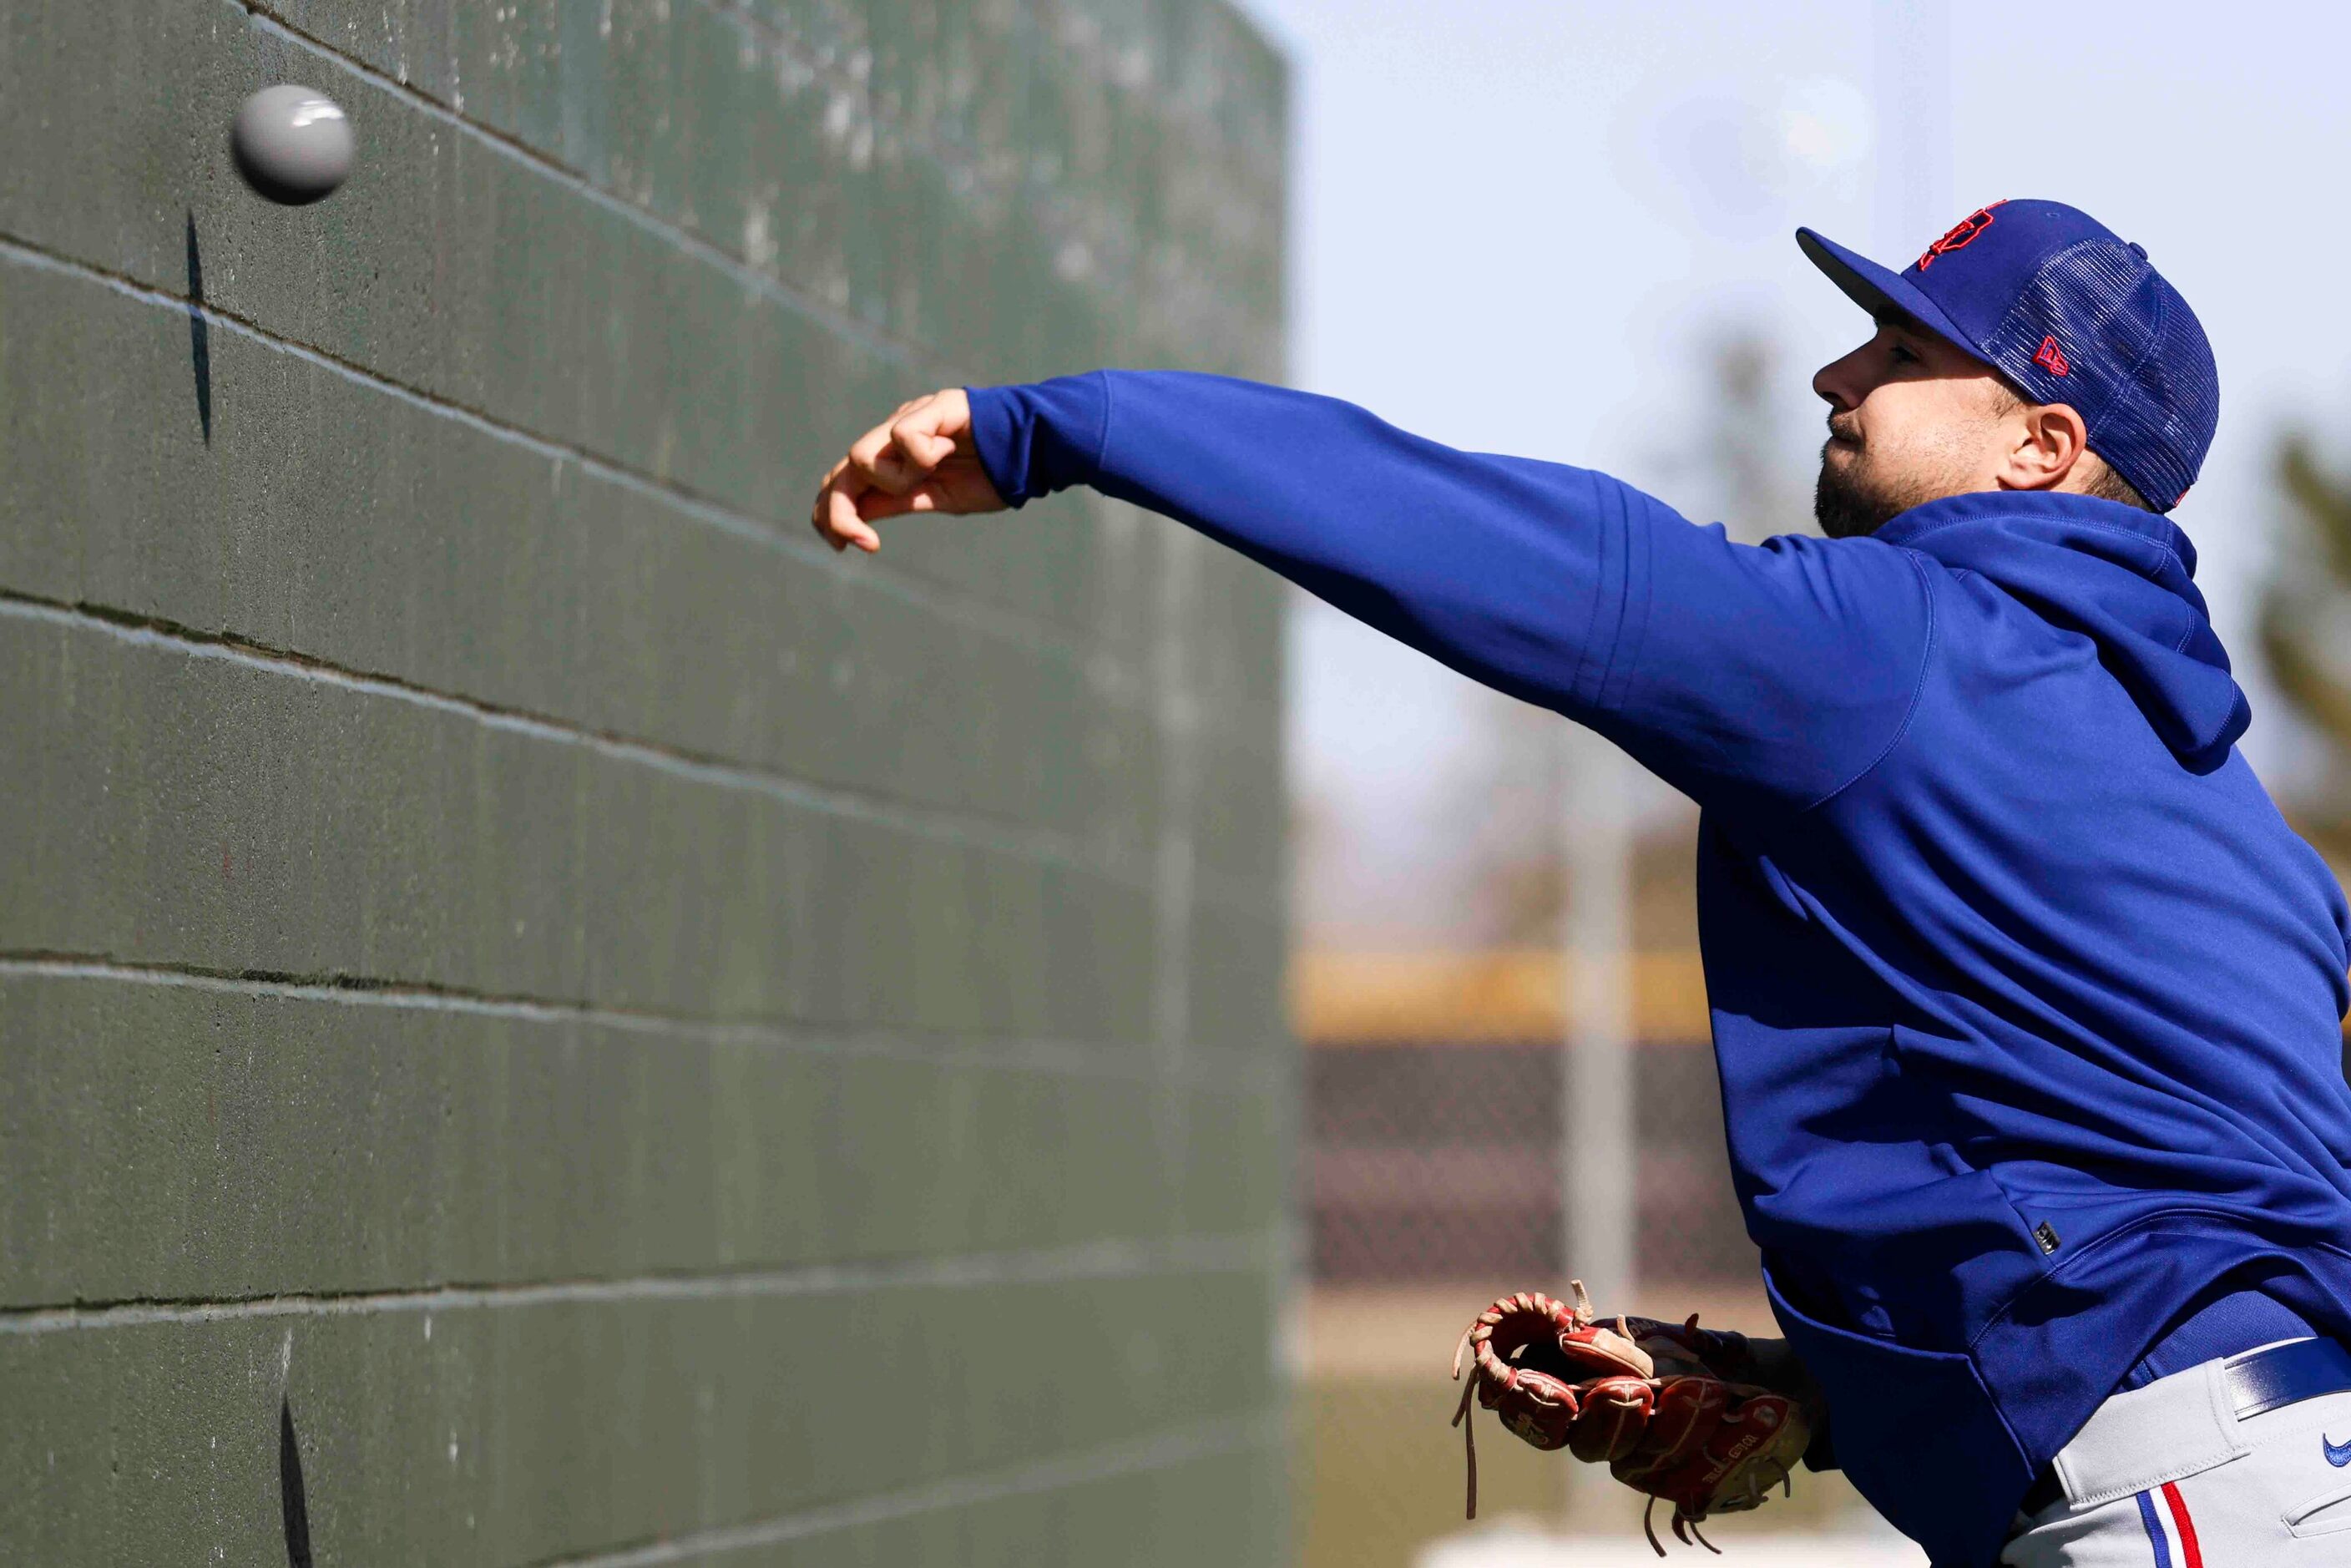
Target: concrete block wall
{"type": "Point", "coordinates": [545, 1019]}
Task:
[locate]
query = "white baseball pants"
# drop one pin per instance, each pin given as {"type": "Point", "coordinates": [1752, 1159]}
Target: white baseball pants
{"type": "Point", "coordinates": [2169, 1477]}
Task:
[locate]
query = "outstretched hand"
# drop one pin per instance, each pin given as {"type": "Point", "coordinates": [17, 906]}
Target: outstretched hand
{"type": "Point", "coordinates": [920, 459]}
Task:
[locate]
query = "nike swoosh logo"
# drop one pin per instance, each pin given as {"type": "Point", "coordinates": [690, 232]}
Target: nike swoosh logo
{"type": "Point", "coordinates": [2337, 1453]}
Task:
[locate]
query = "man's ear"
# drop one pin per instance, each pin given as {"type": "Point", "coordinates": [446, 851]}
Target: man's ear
{"type": "Point", "coordinates": [2049, 441]}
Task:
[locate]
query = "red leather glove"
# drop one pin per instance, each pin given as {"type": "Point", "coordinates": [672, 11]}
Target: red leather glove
{"type": "Point", "coordinates": [1668, 1407]}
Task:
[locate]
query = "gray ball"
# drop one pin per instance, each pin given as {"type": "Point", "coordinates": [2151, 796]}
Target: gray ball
{"type": "Point", "coordinates": [292, 145]}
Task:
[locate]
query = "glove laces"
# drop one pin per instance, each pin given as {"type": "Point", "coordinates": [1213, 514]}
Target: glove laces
{"type": "Point", "coordinates": [1468, 1428]}
{"type": "Point", "coordinates": [1681, 1521]}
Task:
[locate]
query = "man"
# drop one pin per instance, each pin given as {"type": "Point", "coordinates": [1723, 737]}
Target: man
{"type": "Point", "coordinates": [2026, 1001]}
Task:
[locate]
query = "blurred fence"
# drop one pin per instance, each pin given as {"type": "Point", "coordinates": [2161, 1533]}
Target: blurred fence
{"type": "Point", "coordinates": [1436, 1093]}
{"type": "Point", "coordinates": [1435, 1090]}
{"type": "Point", "coordinates": [1432, 1161]}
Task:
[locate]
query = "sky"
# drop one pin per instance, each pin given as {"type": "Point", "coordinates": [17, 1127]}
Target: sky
{"type": "Point", "coordinates": [1518, 226]}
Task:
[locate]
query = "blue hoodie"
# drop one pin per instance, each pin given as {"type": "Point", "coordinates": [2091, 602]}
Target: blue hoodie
{"type": "Point", "coordinates": [2026, 1001]}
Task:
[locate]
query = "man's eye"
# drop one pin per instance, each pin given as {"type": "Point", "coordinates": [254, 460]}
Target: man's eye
{"type": "Point", "coordinates": [1902, 356]}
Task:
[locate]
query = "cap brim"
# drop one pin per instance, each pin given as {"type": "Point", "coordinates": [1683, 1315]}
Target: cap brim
{"type": "Point", "coordinates": [1881, 292]}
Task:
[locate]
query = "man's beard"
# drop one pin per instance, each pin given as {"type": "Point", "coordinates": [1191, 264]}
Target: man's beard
{"type": "Point", "coordinates": [1847, 504]}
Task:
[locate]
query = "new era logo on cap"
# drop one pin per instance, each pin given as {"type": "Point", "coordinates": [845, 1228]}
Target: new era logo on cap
{"type": "Point", "coordinates": [2067, 312]}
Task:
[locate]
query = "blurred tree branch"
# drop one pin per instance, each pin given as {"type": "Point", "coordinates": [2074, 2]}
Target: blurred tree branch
{"type": "Point", "coordinates": [2307, 602]}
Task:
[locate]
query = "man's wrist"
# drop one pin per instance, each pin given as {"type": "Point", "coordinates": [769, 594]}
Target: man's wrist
{"type": "Point", "coordinates": [1034, 439]}
{"type": "Point", "coordinates": [1777, 1368]}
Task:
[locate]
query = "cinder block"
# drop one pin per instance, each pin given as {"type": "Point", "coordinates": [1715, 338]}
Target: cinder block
{"type": "Point", "coordinates": [1238, 1150]}
{"type": "Point", "coordinates": [1236, 1001]}
{"type": "Point", "coordinates": [190, 1142]}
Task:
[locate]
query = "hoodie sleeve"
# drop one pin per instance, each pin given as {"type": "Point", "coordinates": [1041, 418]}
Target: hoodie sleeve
{"type": "Point", "coordinates": [1743, 675]}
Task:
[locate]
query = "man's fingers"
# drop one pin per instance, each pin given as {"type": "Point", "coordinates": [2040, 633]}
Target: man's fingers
{"type": "Point", "coordinates": [824, 485]}
{"type": "Point", "coordinates": [842, 523]}
{"type": "Point", "coordinates": [876, 505]}
{"type": "Point", "coordinates": [899, 454]}
{"type": "Point", "coordinates": [917, 436]}
{"type": "Point", "coordinates": [847, 507]}
{"type": "Point", "coordinates": [1614, 1413]}
{"type": "Point", "coordinates": [916, 460]}
{"type": "Point", "coordinates": [834, 514]}
{"type": "Point", "coordinates": [877, 460]}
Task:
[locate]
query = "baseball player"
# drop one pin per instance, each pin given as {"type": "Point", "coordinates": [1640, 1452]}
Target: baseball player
{"type": "Point", "coordinates": [2025, 999]}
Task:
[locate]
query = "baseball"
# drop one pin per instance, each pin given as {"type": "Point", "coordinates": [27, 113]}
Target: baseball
{"type": "Point", "coordinates": [291, 145]}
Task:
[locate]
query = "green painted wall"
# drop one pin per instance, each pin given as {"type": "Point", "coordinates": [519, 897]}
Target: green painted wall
{"type": "Point", "coordinates": [637, 1039]}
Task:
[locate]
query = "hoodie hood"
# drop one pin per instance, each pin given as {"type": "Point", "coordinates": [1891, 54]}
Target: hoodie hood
{"type": "Point", "coordinates": [2121, 577]}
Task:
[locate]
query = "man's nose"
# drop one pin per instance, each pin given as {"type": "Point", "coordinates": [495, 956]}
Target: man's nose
{"type": "Point", "coordinates": [1837, 383]}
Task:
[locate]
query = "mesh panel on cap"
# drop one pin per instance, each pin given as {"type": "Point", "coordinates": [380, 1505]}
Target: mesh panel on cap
{"type": "Point", "coordinates": [2174, 407]}
{"type": "Point", "coordinates": [2136, 364]}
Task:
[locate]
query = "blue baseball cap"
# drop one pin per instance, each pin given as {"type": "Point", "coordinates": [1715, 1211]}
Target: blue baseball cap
{"type": "Point", "coordinates": [2068, 313]}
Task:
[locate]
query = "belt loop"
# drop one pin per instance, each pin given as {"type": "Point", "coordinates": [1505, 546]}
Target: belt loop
{"type": "Point", "coordinates": [2174, 1427]}
{"type": "Point", "coordinates": [2223, 1395]}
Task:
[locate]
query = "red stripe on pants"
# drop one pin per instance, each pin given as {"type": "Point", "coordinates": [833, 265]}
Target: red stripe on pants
{"type": "Point", "coordinates": [2172, 1500]}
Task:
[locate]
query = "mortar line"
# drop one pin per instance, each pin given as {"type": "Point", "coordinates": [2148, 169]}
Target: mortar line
{"type": "Point", "coordinates": [1045, 845]}
{"type": "Point", "coordinates": [1160, 1450]}
{"type": "Point", "coordinates": [1075, 1059]}
{"type": "Point", "coordinates": [1235, 1253]}
{"type": "Point", "coordinates": [959, 607]}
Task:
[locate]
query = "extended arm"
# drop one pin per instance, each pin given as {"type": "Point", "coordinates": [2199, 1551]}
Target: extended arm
{"type": "Point", "coordinates": [1779, 671]}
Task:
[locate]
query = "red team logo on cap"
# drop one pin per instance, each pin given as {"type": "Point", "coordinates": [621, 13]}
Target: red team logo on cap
{"type": "Point", "coordinates": [2052, 357]}
{"type": "Point", "coordinates": [1962, 234]}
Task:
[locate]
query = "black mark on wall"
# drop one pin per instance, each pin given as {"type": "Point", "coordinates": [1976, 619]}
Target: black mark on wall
{"type": "Point", "coordinates": [289, 1488]}
{"type": "Point", "coordinates": [200, 347]}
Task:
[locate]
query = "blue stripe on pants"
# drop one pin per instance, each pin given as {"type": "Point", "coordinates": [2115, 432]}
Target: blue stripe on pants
{"type": "Point", "coordinates": [2154, 1530]}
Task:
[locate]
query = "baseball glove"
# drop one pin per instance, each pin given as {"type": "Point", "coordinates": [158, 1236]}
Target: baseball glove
{"type": "Point", "coordinates": [1669, 1407]}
